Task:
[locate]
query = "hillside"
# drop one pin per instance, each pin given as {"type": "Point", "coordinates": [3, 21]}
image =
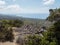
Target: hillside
{"type": "Point", "coordinates": [13, 17]}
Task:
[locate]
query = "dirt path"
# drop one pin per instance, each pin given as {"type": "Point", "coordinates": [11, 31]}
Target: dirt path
{"type": "Point", "coordinates": [10, 43]}
{"type": "Point", "coordinates": [7, 43]}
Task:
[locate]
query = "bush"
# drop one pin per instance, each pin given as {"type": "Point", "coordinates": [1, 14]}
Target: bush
{"type": "Point", "coordinates": [5, 33]}
{"type": "Point", "coordinates": [33, 40]}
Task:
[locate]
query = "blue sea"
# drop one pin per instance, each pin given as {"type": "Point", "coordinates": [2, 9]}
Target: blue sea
{"type": "Point", "coordinates": [38, 16]}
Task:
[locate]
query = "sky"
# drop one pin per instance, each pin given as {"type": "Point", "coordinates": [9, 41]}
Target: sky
{"type": "Point", "coordinates": [37, 7]}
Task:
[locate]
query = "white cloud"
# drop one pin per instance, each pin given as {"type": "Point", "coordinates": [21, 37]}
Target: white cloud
{"type": "Point", "coordinates": [16, 9]}
{"type": "Point", "coordinates": [48, 2]}
{"type": "Point", "coordinates": [11, 9]}
{"type": "Point", "coordinates": [2, 4]}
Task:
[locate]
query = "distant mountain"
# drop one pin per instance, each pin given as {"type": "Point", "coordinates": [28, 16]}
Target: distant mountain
{"type": "Point", "coordinates": [42, 22]}
{"type": "Point", "coordinates": [26, 20]}
{"type": "Point", "coordinates": [13, 17]}
{"type": "Point", "coordinates": [7, 17]}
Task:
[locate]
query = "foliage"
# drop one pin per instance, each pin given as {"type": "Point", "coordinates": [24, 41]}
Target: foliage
{"type": "Point", "coordinates": [57, 31]}
{"type": "Point", "coordinates": [6, 32]}
{"type": "Point", "coordinates": [12, 23]}
{"type": "Point", "coordinates": [54, 14]}
{"type": "Point", "coordinates": [52, 36]}
{"type": "Point", "coordinates": [33, 40]}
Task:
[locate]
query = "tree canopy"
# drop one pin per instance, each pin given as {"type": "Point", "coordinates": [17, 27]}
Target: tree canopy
{"type": "Point", "coordinates": [54, 14]}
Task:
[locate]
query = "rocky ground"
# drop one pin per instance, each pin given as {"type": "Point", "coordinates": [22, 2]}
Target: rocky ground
{"type": "Point", "coordinates": [22, 32]}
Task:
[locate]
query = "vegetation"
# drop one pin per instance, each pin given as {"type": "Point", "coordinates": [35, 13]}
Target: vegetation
{"type": "Point", "coordinates": [55, 29]}
{"type": "Point", "coordinates": [33, 40]}
{"type": "Point", "coordinates": [54, 15]}
{"type": "Point", "coordinates": [52, 36]}
{"type": "Point", "coordinates": [6, 32]}
{"type": "Point", "coordinates": [29, 40]}
{"type": "Point", "coordinates": [12, 23]}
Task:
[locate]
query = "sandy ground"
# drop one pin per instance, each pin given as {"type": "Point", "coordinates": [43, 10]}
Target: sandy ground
{"type": "Point", "coordinates": [7, 43]}
{"type": "Point", "coordinates": [10, 43]}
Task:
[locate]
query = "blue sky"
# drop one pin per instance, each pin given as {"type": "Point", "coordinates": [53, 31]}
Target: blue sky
{"type": "Point", "coordinates": [38, 7]}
